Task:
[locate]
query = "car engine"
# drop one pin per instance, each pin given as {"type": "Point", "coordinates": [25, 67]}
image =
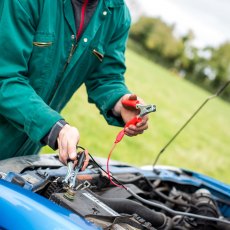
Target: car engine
{"type": "Point", "coordinates": [160, 198]}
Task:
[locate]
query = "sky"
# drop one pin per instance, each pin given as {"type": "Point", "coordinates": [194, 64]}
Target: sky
{"type": "Point", "coordinates": [208, 19]}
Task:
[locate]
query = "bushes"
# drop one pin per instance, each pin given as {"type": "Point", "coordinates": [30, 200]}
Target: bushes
{"type": "Point", "coordinates": [208, 67]}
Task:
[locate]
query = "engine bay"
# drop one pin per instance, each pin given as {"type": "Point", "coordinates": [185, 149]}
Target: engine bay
{"type": "Point", "coordinates": [163, 198]}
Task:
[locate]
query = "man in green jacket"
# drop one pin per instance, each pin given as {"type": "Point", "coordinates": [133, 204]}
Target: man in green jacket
{"type": "Point", "coordinates": [48, 49]}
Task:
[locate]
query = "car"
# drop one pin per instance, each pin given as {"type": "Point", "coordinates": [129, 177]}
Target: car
{"type": "Point", "coordinates": [34, 195]}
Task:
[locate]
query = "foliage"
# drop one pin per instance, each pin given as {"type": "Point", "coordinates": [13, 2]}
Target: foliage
{"type": "Point", "coordinates": [220, 64]}
{"type": "Point", "coordinates": [158, 39]}
{"type": "Point", "coordinates": [208, 67]}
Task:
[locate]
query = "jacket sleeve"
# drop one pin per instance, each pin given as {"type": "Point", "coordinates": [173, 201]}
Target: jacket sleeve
{"type": "Point", "coordinates": [19, 103]}
{"type": "Point", "coordinates": [107, 85]}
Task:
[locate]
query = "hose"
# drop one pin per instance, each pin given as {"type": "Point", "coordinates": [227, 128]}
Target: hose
{"type": "Point", "coordinates": [223, 223]}
{"type": "Point", "coordinates": [169, 210]}
{"type": "Point", "coordinates": [120, 205]}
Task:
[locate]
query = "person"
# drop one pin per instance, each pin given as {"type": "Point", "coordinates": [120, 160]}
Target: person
{"type": "Point", "coordinates": [48, 49]}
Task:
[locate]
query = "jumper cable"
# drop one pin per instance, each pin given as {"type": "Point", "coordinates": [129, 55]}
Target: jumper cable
{"type": "Point", "coordinates": [144, 110]}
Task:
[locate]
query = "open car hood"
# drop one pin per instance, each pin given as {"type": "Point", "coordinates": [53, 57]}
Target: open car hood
{"type": "Point", "coordinates": [33, 196]}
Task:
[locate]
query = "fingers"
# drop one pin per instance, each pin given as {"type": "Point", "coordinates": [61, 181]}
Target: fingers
{"type": "Point", "coordinates": [86, 161]}
{"type": "Point", "coordinates": [144, 123]}
{"type": "Point", "coordinates": [67, 141]}
{"type": "Point", "coordinates": [128, 113]}
{"type": "Point", "coordinates": [62, 146]}
{"type": "Point", "coordinates": [139, 128]}
{"type": "Point", "coordinates": [133, 97]}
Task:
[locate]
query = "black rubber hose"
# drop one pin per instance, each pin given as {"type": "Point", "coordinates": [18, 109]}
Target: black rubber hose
{"type": "Point", "coordinates": [158, 220]}
{"type": "Point", "coordinates": [173, 212]}
{"type": "Point", "coordinates": [162, 195]}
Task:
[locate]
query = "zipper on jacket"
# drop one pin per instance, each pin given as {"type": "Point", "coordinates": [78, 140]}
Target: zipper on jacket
{"type": "Point", "coordinates": [82, 20]}
{"type": "Point", "coordinates": [73, 46]}
{"type": "Point", "coordinates": [81, 26]}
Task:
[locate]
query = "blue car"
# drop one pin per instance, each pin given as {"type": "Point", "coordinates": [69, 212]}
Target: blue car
{"type": "Point", "coordinates": [34, 195]}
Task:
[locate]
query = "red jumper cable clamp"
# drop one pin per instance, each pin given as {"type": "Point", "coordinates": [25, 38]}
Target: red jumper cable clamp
{"type": "Point", "coordinates": [144, 110]}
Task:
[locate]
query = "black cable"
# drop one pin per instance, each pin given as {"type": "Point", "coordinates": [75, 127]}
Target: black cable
{"type": "Point", "coordinates": [219, 91]}
{"type": "Point", "coordinates": [167, 198]}
{"type": "Point", "coordinates": [156, 205]}
{"type": "Point", "coordinates": [169, 210]}
{"type": "Point", "coordinates": [162, 195]}
{"type": "Point", "coordinates": [78, 146]}
{"type": "Point", "coordinates": [106, 172]}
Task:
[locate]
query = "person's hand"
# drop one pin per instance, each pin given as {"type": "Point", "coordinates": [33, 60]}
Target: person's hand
{"type": "Point", "coordinates": [86, 161]}
{"type": "Point", "coordinates": [68, 139]}
{"type": "Point", "coordinates": [127, 113]}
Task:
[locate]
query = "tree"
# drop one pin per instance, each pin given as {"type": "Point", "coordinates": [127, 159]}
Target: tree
{"type": "Point", "coordinates": [158, 39]}
{"type": "Point", "coordinates": [220, 63]}
{"type": "Point", "coordinates": [208, 67]}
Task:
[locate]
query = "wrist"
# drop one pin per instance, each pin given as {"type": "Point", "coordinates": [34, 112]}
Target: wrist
{"type": "Point", "coordinates": [116, 110]}
{"type": "Point", "coordinates": [51, 138]}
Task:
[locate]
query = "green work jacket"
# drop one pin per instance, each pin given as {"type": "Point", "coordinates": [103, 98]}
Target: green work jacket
{"type": "Point", "coordinates": [42, 65]}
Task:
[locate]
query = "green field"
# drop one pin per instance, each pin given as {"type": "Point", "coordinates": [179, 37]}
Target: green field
{"type": "Point", "coordinates": [204, 145]}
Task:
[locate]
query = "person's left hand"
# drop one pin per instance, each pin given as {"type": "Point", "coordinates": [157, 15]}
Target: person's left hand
{"type": "Point", "coordinates": [128, 113]}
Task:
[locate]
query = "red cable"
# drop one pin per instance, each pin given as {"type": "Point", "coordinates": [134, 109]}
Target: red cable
{"type": "Point", "coordinates": [107, 167]}
{"type": "Point", "coordinates": [82, 21]}
{"type": "Point", "coordinates": [118, 139]}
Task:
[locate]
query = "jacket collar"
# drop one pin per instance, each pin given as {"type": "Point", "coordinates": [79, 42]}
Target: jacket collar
{"type": "Point", "coordinates": [70, 16]}
{"type": "Point", "coordinates": [108, 3]}
{"type": "Point", "coordinates": [89, 1]}
{"type": "Point", "coordinates": [113, 3]}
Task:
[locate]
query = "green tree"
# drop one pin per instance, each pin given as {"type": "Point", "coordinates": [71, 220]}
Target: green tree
{"type": "Point", "coordinates": [220, 63]}
{"type": "Point", "coordinates": [158, 39]}
{"type": "Point", "coordinates": [208, 67]}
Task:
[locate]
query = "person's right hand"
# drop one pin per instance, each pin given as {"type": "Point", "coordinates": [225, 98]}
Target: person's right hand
{"type": "Point", "coordinates": [68, 139]}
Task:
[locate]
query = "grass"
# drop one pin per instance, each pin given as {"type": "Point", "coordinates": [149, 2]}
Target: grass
{"type": "Point", "coordinates": [202, 146]}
